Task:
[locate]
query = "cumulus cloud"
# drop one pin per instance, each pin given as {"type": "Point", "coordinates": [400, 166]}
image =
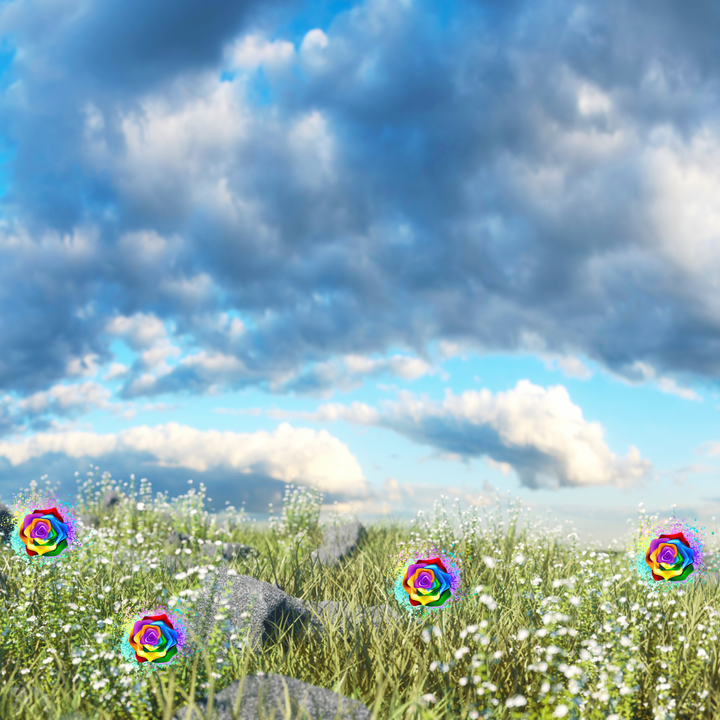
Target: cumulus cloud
{"type": "Point", "coordinates": [390, 182]}
{"type": "Point", "coordinates": [666, 385]}
{"type": "Point", "coordinates": [287, 454]}
{"type": "Point", "coordinates": [540, 433]}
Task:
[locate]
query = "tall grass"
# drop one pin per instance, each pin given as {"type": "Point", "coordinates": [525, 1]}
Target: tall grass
{"type": "Point", "coordinates": [552, 629]}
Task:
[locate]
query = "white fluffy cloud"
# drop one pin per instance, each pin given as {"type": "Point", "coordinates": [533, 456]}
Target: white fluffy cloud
{"type": "Point", "coordinates": [287, 454]}
{"type": "Point", "coordinates": [538, 432]}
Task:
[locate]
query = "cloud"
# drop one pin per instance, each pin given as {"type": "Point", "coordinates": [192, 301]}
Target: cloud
{"type": "Point", "coordinates": [388, 181]}
{"type": "Point", "coordinates": [141, 331]}
{"type": "Point", "coordinates": [287, 454]}
{"type": "Point", "coordinates": [571, 367]}
{"type": "Point", "coordinates": [664, 384]}
{"type": "Point", "coordinates": [537, 432]}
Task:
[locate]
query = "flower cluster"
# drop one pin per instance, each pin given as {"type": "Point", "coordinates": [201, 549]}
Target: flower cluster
{"type": "Point", "coordinates": [153, 638]}
{"type": "Point", "coordinates": [426, 579]}
{"type": "Point", "coordinates": [44, 529]}
{"type": "Point", "coordinates": [669, 551]}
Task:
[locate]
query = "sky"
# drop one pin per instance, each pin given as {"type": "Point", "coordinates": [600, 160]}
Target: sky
{"type": "Point", "coordinates": [390, 249]}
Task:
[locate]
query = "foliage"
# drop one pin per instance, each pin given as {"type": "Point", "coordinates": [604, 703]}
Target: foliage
{"type": "Point", "coordinates": [551, 629]}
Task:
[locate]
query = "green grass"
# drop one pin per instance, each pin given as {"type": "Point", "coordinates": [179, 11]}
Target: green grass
{"type": "Point", "coordinates": [550, 628]}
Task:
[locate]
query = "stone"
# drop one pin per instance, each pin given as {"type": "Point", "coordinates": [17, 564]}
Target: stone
{"type": "Point", "coordinates": [110, 499]}
{"type": "Point", "coordinates": [175, 539]}
{"type": "Point", "coordinates": [256, 609]}
{"type": "Point", "coordinates": [268, 691]}
{"type": "Point", "coordinates": [234, 551]}
{"type": "Point", "coordinates": [209, 549]}
{"type": "Point", "coordinates": [338, 543]}
{"type": "Point", "coordinates": [7, 524]}
{"type": "Point", "coordinates": [90, 520]}
{"type": "Point", "coordinates": [266, 606]}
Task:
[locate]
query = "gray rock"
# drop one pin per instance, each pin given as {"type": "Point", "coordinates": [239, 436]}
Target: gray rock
{"type": "Point", "coordinates": [257, 610]}
{"type": "Point", "coordinates": [110, 499]}
{"type": "Point", "coordinates": [267, 608]}
{"type": "Point", "coordinates": [235, 551]}
{"type": "Point", "coordinates": [209, 549]}
{"type": "Point", "coordinates": [177, 539]}
{"type": "Point", "coordinates": [90, 519]}
{"type": "Point", "coordinates": [268, 692]}
{"type": "Point", "coordinates": [230, 551]}
{"type": "Point", "coordinates": [338, 543]}
{"type": "Point", "coordinates": [7, 524]}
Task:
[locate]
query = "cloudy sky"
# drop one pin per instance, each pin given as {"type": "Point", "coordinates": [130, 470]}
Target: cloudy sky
{"type": "Point", "coordinates": [392, 248]}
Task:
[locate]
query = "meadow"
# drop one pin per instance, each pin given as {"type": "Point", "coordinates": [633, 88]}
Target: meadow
{"type": "Point", "coordinates": [550, 628]}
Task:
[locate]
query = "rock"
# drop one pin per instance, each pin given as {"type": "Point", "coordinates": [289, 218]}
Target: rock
{"type": "Point", "coordinates": [256, 609]}
{"type": "Point", "coordinates": [90, 519]}
{"type": "Point", "coordinates": [268, 608]}
{"type": "Point", "coordinates": [209, 549]}
{"type": "Point", "coordinates": [177, 539]}
{"type": "Point", "coordinates": [110, 499]}
{"type": "Point", "coordinates": [7, 523]}
{"type": "Point", "coordinates": [338, 543]}
{"type": "Point", "coordinates": [269, 691]}
{"type": "Point", "coordinates": [234, 551]}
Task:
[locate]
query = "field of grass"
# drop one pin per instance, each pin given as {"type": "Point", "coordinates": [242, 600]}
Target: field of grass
{"type": "Point", "coordinates": [550, 629]}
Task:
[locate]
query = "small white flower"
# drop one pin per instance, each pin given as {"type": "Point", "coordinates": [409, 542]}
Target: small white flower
{"type": "Point", "coordinates": [47, 661]}
{"type": "Point", "coordinates": [462, 651]}
{"type": "Point", "coordinates": [523, 634]}
{"type": "Point", "coordinates": [517, 701]}
{"type": "Point", "coordinates": [76, 661]}
{"type": "Point", "coordinates": [429, 698]}
{"type": "Point", "coordinates": [140, 506]}
{"type": "Point", "coordinates": [25, 671]}
{"type": "Point", "coordinates": [66, 628]}
{"type": "Point", "coordinates": [489, 562]}
{"type": "Point", "coordinates": [560, 711]}
{"type": "Point", "coordinates": [140, 539]}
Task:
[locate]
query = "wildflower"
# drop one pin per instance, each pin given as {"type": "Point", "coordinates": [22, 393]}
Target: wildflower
{"type": "Point", "coordinates": [560, 711]}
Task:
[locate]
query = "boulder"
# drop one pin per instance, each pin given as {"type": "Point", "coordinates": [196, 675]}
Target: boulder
{"type": "Point", "coordinates": [256, 609]}
{"type": "Point", "coordinates": [7, 524]}
{"type": "Point", "coordinates": [229, 551]}
{"type": "Point", "coordinates": [178, 539]}
{"type": "Point", "coordinates": [235, 551]}
{"type": "Point", "coordinates": [267, 608]}
{"type": "Point", "coordinates": [90, 520]}
{"type": "Point", "coordinates": [110, 499]}
{"type": "Point", "coordinates": [338, 543]}
{"type": "Point", "coordinates": [268, 691]}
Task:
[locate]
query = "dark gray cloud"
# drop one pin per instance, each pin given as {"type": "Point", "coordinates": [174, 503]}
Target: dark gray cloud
{"type": "Point", "coordinates": [508, 176]}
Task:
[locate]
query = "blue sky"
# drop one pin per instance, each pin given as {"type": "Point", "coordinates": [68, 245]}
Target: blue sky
{"type": "Point", "coordinates": [387, 248]}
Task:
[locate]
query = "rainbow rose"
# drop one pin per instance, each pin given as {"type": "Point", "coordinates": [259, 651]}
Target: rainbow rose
{"type": "Point", "coordinates": [425, 579]}
{"type": "Point", "coordinates": [670, 549]}
{"type": "Point", "coordinates": [44, 532]}
{"type": "Point", "coordinates": [670, 557]}
{"type": "Point", "coordinates": [154, 639]}
{"type": "Point", "coordinates": [427, 582]}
